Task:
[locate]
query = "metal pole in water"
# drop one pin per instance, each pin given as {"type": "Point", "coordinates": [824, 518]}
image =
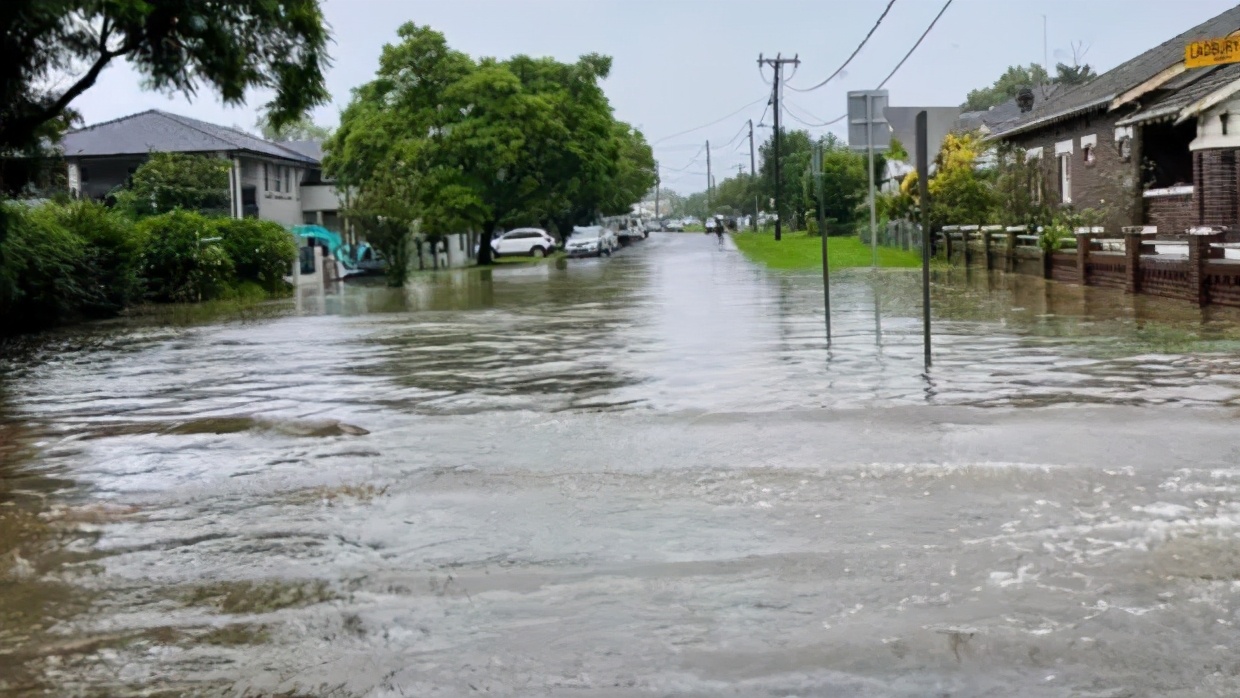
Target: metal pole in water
{"type": "Point", "coordinates": [822, 230]}
{"type": "Point", "coordinates": [923, 190]}
{"type": "Point", "coordinates": [869, 146]}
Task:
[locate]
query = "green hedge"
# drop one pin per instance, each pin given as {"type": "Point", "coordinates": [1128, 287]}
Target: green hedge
{"type": "Point", "coordinates": [61, 262]}
{"type": "Point", "coordinates": [262, 251]}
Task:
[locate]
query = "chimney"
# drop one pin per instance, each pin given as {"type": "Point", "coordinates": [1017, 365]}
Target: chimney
{"type": "Point", "coordinates": [1024, 100]}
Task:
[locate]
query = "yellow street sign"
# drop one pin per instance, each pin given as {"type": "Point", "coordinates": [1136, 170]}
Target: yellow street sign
{"type": "Point", "coordinates": [1208, 52]}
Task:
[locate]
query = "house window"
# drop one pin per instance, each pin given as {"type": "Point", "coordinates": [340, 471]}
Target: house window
{"type": "Point", "coordinates": [85, 176]}
{"type": "Point", "coordinates": [1063, 153]}
{"type": "Point", "coordinates": [1033, 157]}
{"type": "Point", "coordinates": [1089, 145]}
{"type": "Point", "coordinates": [266, 178]}
{"type": "Point", "coordinates": [1125, 150]}
{"type": "Point", "coordinates": [288, 179]}
{"type": "Point", "coordinates": [1065, 178]}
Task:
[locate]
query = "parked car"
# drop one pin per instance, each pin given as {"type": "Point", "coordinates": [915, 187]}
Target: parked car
{"type": "Point", "coordinates": [674, 226]}
{"type": "Point", "coordinates": [631, 229]}
{"type": "Point", "coordinates": [534, 242]}
{"type": "Point", "coordinates": [591, 241]}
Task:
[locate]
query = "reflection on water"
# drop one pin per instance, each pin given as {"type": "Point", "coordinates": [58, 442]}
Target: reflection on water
{"type": "Point", "coordinates": [644, 474]}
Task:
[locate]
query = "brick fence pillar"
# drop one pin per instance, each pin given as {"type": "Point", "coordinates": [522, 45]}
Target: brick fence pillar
{"type": "Point", "coordinates": [1132, 262]}
{"type": "Point", "coordinates": [1010, 252]}
{"type": "Point", "coordinates": [1083, 242]}
{"type": "Point", "coordinates": [1198, 255]}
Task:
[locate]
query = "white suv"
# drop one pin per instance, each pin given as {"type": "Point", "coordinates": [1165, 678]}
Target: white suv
{"type": "Point", "coordinates": [534, 242]}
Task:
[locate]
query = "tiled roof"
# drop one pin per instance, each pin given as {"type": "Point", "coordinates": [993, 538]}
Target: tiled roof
{"type": "Point", "coordinates": [1002, 116]}
{"type": "Point", "coordinates": [158, 131]}
{"type": "Point", "coordinates": [1098, 93]}
{"type": "Point", "coordinates": [311, 149]}
{"type": "Point", "coordinates": [1169, 102]}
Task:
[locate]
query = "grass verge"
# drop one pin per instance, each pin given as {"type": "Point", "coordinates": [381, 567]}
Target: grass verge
{"type": "Point", "coordinates": [800, 251]}
{"type": "Point", "coordinates": [521, 259]}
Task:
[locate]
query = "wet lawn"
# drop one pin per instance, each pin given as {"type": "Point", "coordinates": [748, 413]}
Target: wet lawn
{"type": "Point", "coordinates": [800, 251]}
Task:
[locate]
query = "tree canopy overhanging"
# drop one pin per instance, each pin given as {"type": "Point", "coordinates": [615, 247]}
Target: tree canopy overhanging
{"type": "Point", "coordinates": [51, 51]}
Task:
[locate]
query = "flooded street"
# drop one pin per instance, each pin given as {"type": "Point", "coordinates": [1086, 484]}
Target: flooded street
{"type": "Point", "coordinates": [639, 476]}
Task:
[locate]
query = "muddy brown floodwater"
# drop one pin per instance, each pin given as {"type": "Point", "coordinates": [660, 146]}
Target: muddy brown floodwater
{"type": "Point", "coordinates": [639, 476]}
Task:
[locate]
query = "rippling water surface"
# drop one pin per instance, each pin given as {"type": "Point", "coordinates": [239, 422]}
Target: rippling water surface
{"type": "Point", "coordinates": [647, 475]}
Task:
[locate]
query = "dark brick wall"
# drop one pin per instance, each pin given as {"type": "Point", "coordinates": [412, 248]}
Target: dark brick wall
{"type": "Point", "coordinates": [1172, 214]}
{"type": "Point", "coordinates": [1064, 268]}
{"type": "Point", "coordinates": [1223, 283]}
{"type": "Point", "coordinates": [1215, 179]}
{"type": "Point", "coordinates": [1108, 182]}
{"type": "Point", "coordinates": [1166, 278]}
{"type": "Point", "coordinates": [1108, 269]}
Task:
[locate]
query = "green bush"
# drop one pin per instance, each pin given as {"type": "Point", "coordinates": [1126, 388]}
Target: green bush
{"type": "Point", "coordinates": [111, 274]}
{"type": "Point", "coordinates": [262, 251]}
{"type": "Point", "coordinates": [180, 262]}
{"type": "Point", "coordinates": [40, 267]}
{"type": "Point", "coordinates": [1053, 237]}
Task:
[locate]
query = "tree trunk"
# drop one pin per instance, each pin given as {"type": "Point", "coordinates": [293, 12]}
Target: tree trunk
{"type": "Point", "coordinates": [484, 245]}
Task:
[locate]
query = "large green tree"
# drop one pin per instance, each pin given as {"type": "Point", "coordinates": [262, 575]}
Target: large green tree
{"type": "Point", "coordinates": [480, 145]}
{"type": "Point", "coordinates": [170, 181]}
{"type": "Point", "coordinates": [844, 184]}
{"type": "Point", "coordinates": [51, 51]}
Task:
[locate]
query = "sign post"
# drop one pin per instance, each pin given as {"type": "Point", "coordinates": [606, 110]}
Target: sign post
{"type": "Point", "coordinates": [868, 130]}
{"type": "Point", "coordinates": [822, 230]}
{"type": "Point", "coordinates": [923, 192]}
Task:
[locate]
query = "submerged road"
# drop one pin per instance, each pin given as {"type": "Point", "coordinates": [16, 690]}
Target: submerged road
{"type": "Point", "coordinates": [639, 476]}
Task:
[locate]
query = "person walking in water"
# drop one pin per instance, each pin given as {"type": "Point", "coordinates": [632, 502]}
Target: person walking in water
{"type": "Point", "coordinates": [715, 225]}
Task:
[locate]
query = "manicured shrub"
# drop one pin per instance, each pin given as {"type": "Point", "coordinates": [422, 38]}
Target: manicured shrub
{"type": "Point", "coordinates": [262, 251]}
{"type": "Point", "coordinates": [181, 260]}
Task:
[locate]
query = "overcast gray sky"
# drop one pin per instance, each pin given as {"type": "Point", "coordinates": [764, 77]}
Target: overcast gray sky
{"type": "Point", "coordinates": [679, 64]}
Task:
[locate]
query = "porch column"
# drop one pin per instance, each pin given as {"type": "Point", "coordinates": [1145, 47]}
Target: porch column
{"type": "Point", "coordinates": [238, 204]}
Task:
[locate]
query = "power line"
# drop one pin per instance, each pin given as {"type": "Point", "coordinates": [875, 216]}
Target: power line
{"type": "Point", "coordinates": [689, 164]}
{"type": "Point", "coordinates": [699, 128]}
{"type": "Point", "coordinates": [860, 46]}
{"type": "Point", "coordinates": [799, 120]}
{"type": "Point", "coordinates": [733, 138]}
{"type": "Point", "coordinates": [899, 65]}
{"type": "Point", "coordinates": [919, 40]}
{"type": "Point", "coordinates": [810, 114]}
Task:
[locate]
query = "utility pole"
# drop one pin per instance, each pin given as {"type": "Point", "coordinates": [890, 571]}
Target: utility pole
{"type": "Point", "coordinates": [657, 181]}
{"type": "Point", "coordinates": [777, 63]}
{"type": "Point", "coordinates": [709, 179]}
{"type": "Point", "coordinates": [753, 177]}
{"type": "Point", "coordinates": [752, 170]}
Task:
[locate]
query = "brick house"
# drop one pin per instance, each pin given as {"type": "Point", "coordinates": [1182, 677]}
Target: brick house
{"type": "Point", "coordinates": [1144, 143]}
